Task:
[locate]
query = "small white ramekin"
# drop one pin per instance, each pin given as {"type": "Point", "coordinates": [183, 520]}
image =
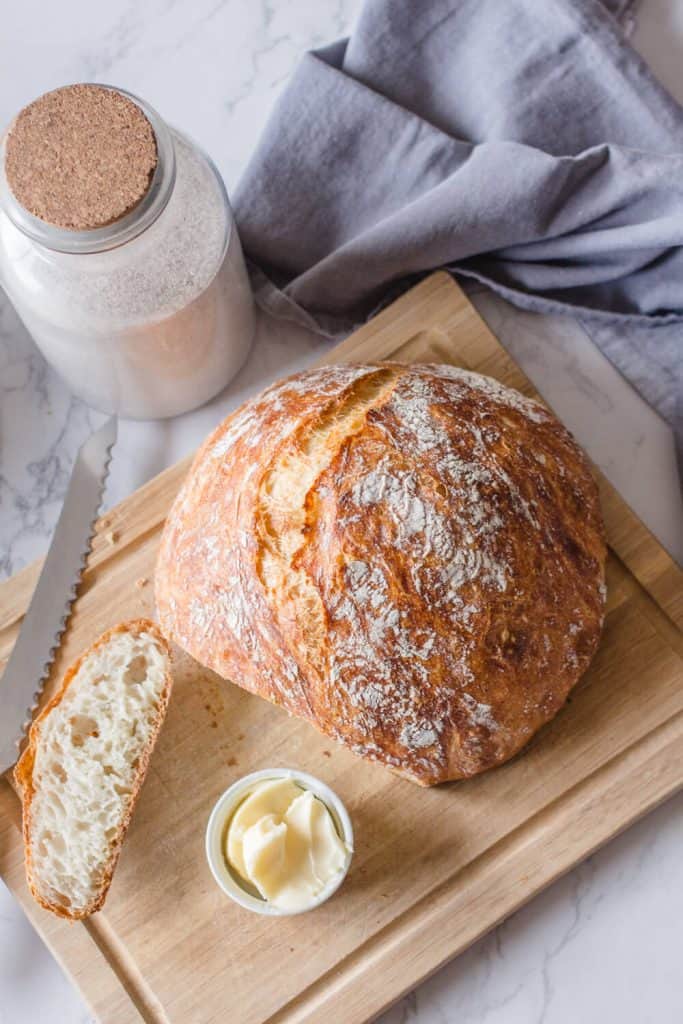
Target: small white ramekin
{"type": "Point", "coordinates": [221, 814]}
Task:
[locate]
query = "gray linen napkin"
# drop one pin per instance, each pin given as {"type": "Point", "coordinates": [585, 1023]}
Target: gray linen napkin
{"type": "Point", "coordinates": [520, 143]}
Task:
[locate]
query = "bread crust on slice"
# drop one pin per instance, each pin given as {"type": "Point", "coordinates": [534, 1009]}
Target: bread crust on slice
{"type": "Point", "coordinates": [24, 769]}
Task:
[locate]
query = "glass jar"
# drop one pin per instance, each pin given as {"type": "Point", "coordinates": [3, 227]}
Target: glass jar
{"type": "Point", "coordinates": [149, 316]}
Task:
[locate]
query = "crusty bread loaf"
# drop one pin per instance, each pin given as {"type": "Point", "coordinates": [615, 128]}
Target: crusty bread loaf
{"type": "Point", "coordinates": [84, 765]}
{"type": "Point", "coordinates": [409, 557]}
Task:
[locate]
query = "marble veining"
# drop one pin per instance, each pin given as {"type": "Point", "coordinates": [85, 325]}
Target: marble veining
{"type": "Point", "coordinates": [602, 943]}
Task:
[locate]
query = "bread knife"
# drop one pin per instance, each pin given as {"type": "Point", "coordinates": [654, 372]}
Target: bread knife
{"type": "Point", "coordinates": [47, 615]}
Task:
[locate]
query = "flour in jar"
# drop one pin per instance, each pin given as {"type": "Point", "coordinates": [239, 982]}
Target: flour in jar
{"type": "Point", "coordinates": [152, 327]}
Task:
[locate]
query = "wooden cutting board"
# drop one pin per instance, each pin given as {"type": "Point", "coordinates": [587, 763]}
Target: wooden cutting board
{"type": "Point", "coordinates": [434, 869]}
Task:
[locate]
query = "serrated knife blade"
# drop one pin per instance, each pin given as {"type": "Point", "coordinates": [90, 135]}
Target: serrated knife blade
{"type": "Point", "coordinates": [47, 615]}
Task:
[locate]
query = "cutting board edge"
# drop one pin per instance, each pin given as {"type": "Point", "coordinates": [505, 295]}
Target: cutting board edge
{"type": "Point", "coordinates": [71, 943]}
{"type": "Point", "coordinates": [524, 837]}
{"type": "Point", "coordinates": [438, 287]}
{"type": "Point", "coordinates": [334, 991]}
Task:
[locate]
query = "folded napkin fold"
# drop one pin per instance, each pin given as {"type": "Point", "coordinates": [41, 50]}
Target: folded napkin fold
{"type": "Point", "coordinates": [522, 144]}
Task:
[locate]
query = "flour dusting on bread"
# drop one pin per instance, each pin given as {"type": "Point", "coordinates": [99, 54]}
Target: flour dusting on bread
{"type": "Point", "coordinates": [409, 557]}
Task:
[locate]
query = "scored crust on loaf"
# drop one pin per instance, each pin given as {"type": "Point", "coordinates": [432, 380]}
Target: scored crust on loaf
{"type": "Point", "coordinates": [409, 557]}
{"type": "Point", "coordinates": [282, 504]}
{"type": "Point", "coordinates": [85, 763]}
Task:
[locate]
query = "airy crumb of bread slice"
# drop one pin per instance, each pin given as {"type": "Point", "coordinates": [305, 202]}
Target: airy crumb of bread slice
{"type": "Point", "coordinates": [85, 762]}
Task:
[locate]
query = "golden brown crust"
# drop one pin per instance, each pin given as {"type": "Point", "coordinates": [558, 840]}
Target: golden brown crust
{"type": "Point", "coordinates": [409, 557]}
{"type": "Point", "coordinates": [23, 771]}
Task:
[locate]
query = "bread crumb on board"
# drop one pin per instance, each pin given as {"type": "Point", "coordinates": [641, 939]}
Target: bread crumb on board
{"type": "Point", "coordinates": [141, 582]}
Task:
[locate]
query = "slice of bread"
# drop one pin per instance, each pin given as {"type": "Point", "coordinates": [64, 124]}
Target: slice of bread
{"type": "Point", "coordinates": [85, 762]}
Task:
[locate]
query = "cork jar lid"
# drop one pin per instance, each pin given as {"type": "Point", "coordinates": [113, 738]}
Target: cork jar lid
{"type": "Point", "coordinates": [80, 157]}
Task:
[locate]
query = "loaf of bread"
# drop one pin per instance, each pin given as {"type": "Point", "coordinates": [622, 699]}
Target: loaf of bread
{"type": "Point", "coordinates": [85, 762]}
{"type": "Point", "coordinates": [409, 557]}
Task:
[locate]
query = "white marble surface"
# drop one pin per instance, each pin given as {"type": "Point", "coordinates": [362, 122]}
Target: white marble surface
{"type": "Point", "coordinates": [604, 942]}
